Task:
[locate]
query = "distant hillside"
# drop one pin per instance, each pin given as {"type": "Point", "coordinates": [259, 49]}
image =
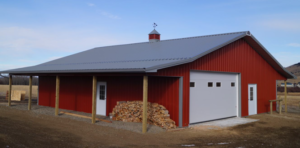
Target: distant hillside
{"type": "Point", "coordinates": [294, 69]}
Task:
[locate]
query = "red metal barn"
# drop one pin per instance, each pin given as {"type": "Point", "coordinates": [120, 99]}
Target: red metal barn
{"type": "Point", "coordinates": [197, 79]}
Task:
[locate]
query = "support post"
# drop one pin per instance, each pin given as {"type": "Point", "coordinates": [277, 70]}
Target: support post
{"type": "Point", "coordinates": [94, 99]}
{"type": "Point", "coordinates": [30, 93]}
{"type": "Point", "coordinates": [280, 106]}
{"type": "Point", "coordinates": [285, 93]}
{"type": "Point", "coordinates": [271, 107]}
{"type": "Point", "coordinates": [38, 91]}
{"type": "Point", "coordinates": [9, 90]}
{"type": "Point", "coordinates": [145, 103]}
{"type": "Point", "coordinates": [180, 100]}
{"type": "Point", "coordinates": [279, 98]}
{"type": "Point", "coordinates": [57, 96]}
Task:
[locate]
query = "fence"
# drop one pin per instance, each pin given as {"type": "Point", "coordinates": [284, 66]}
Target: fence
{"type": "Point", "coordinates": [289, 89]}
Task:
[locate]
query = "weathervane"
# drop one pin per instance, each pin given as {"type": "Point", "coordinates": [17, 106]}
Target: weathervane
{"type": "Point", "coordinates": [154, 25]}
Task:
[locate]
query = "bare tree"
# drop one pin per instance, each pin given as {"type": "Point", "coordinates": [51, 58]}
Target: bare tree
{"type": "Point", "coordinates": [18, 80]}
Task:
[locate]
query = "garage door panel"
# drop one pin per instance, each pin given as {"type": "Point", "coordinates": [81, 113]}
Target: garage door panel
{"type": "Point", "coordinates": [210, 103]}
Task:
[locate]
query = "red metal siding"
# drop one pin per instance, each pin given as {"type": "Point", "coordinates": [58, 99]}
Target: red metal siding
{"type": "Point", "coordinates": [154, 36]}
{"type": "Point", "coordinates": [47, 91]}
{"type": "Point", "coordinates": [165, 91]}
{"type": "Point", "coordinates": [76, 92]}
{"type": "Point", "coordinates": [237, 57]}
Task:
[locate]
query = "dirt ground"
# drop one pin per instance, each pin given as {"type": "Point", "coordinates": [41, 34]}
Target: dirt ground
{"type": "Point", "coordinates": [26, 129]}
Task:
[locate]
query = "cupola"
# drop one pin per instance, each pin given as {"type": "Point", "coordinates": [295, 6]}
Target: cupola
{"type": "Point", "coordinates": [154, 36]}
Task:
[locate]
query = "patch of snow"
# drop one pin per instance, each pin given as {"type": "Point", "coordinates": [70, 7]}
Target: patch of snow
{"type": "Point", "coordinates": [189, 145]}
{"type": "Point", "coordinates": [223, 143]}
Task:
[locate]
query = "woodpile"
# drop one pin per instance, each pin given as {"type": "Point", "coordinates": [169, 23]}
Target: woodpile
{"type": "Point", "coordinates": [132, 111]}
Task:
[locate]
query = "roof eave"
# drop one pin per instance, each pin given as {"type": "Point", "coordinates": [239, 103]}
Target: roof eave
{"type": "Point", "coordinates": [77, 71]}
{"type": "Point", "coordinates": [286, 73]}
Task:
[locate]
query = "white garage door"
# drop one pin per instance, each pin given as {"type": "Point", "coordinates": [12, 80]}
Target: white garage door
{"type": "Point", "coordinates": [212, 96]}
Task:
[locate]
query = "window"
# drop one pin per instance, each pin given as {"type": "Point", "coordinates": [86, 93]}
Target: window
{"type": "Point", "coordinates": [102, 92]}
{"type": "Point", "coordinates": [232, 84]}
{"type": "Point", "coordinates": [251, 93]}
{"type": "Point", "coordinates": [218, 84]}
{"type": "Point", "coordinates": [210, 84]}
{"type": "Point", "coordinates": [192, 84]}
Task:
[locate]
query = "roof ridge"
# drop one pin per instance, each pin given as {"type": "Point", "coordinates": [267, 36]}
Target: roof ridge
{"type": "Point", "coordinates": [207, 35]}
{"type": "Point", "coordinates": [175, 39]}
{"type": "Point", "coordinates": [160, 59]}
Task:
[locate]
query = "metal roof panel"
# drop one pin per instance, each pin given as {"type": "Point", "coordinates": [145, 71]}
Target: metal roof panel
{"type": "Point", "coordinates": [141, 57]}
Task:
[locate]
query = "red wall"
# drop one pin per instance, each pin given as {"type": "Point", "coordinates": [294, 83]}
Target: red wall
{"type": "Point", "coordinates": [76, 92]}
{"type": "Point", "coordinates": [236, 57]}
{"type": "Point", "coordinates": [47, 91]}
{"type": "Point", "coordinates": [165, 91]}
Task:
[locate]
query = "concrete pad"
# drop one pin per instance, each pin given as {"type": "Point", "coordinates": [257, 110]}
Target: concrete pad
{"type": "Point", "coordinates": [223, 123]}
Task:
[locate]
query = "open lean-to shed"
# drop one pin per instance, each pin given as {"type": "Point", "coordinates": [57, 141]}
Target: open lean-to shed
{"type": "Point", "coordinates": [197, 78]}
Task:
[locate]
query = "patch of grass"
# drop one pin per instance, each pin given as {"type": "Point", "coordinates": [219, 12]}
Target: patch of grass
{"type": "Point", "coordinates": [292, 100]}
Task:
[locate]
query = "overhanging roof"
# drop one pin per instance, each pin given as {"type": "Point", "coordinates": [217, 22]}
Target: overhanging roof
{"type": "Point", "coordinates": [147, 56]}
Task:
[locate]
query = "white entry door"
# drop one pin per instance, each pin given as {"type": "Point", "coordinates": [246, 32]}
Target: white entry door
{"type": "Point", "coordinates": [252, 99]}
{"type": "Point", "coordinates": [101, 99]}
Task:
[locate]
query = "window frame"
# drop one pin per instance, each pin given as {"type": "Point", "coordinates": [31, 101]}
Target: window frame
{"type": "Point", "coordinates": [212, 84]}
{"type": "Point", "coordinates": [251, 93]}
{"type": "Point", "coordinates": [217, 84]}
{"type": "Point", "coordinates": [233, 84]}
{"type": "Point", "coordinates": [104, 92]}
{"type": "Point", "coordinates": [194, 83]}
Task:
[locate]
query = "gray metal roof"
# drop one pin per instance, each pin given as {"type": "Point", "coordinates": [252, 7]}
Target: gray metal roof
{"type": "Point", "coordinates": [153, 32]}
{"type": "Point", "coordinates": [139, 57]}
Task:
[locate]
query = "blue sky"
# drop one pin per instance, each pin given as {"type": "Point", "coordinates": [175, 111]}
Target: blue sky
{"type": "Point", "coordinates": [36, 31]}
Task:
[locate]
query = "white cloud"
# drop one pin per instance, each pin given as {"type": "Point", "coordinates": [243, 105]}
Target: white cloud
{"type": "Point", "coordinates": [287, 58]}
{"type": "Point", "coordinates": [9, 66]}
{"type": "Point", "coordinates": [294, 44]}
{"type": "Point", "coordinates": [288, 24]}
{"type": "Point", "coordinates": [91, 4]}
{"type": "Point", "coordinates": [104, 13]}
{"type": "Point", "coordinates": [26, 39]}
{"type": "Point", "coordinates": [109, 15]}
{"type": "Point", "coordinates": [20, 47]}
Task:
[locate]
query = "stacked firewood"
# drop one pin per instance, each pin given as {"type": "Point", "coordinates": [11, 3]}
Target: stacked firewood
{"type": "Point", "coordinates": [132, 111]}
